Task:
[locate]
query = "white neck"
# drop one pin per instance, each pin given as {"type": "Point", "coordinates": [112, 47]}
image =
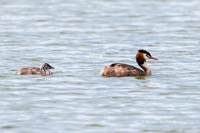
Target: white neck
{"type": "Point", "coordinates": [146, 68]}
{"type": "Point", "coordinates": [46, 72]}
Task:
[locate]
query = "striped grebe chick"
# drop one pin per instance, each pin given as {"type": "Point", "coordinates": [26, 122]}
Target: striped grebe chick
{"type": "Point", "coordinates": [43, 70]}
{"type": "Point", "coordinates": [122, 70]}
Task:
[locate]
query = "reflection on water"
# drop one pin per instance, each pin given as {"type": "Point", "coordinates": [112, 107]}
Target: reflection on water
{"type": "Point", "coordinates": [141, 77]}
{"type": "Point", "coordinates": [78, 38]}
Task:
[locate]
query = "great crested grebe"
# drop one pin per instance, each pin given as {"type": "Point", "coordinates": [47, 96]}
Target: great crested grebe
{"type": "Point", "coordinates": [122, 70]}
{"type": "Point", "coordinates": [43, 70]}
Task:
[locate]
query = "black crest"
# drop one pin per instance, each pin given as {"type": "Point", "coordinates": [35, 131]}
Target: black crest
{"type": "Point", "coordinates": [144, 51]}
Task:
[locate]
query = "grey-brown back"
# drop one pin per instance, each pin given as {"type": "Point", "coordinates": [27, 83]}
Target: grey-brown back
{"type": "Point", "coordinates": [43, 70]}
{"type": "Point", "coordinates": [122, 70]}
{"type": "Point", "coordinates": [29, 71]}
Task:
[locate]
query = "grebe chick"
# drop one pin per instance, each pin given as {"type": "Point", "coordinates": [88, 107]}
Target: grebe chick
{"type": "Point", "coordinates": [43, 70]}
{"type": "Point", "coordinates": [122, 70]}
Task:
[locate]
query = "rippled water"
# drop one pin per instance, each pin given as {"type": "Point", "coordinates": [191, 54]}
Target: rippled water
{"type": "Point", "coordinates": [78, 38]}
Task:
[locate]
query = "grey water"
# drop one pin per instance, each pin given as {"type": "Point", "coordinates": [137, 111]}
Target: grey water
{"type": "Point", "coordinates": [79, 37]}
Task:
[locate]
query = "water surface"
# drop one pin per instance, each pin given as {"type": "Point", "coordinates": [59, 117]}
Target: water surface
{"type": "Point", "coordinates": [78, 38]}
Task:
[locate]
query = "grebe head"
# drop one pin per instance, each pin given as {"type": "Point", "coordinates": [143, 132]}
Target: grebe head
{"type": "Point", "coordinates": [142, 56]}
{"type": "Point", "coordinates": [45, 67]}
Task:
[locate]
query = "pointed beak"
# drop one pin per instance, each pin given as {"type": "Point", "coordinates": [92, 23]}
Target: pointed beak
{"type": "Point", "coordinates": [52, 67]}
{"type": "Point", "coordinates": [153, 58]}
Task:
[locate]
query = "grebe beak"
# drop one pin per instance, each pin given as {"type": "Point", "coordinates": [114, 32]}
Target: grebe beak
{"type": "Point", "coordinates": [51, 67]}
{"type": "Point", "coordinates": [153, 58]}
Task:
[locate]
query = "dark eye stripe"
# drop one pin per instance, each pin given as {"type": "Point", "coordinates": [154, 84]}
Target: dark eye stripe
{"type": "Point", "coordinates": [46, 66]}
{"type": "Point", "coordinates": [148, 56]}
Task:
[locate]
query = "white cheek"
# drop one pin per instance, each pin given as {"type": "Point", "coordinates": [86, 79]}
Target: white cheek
{"type": "Point", "coordinates": [145, 57]}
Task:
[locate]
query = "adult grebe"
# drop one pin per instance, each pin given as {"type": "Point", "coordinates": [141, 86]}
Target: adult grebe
{"type": "Point", "coordinates": [122, 70]}
{"type": "Point", "coordinates": [43, 70]}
